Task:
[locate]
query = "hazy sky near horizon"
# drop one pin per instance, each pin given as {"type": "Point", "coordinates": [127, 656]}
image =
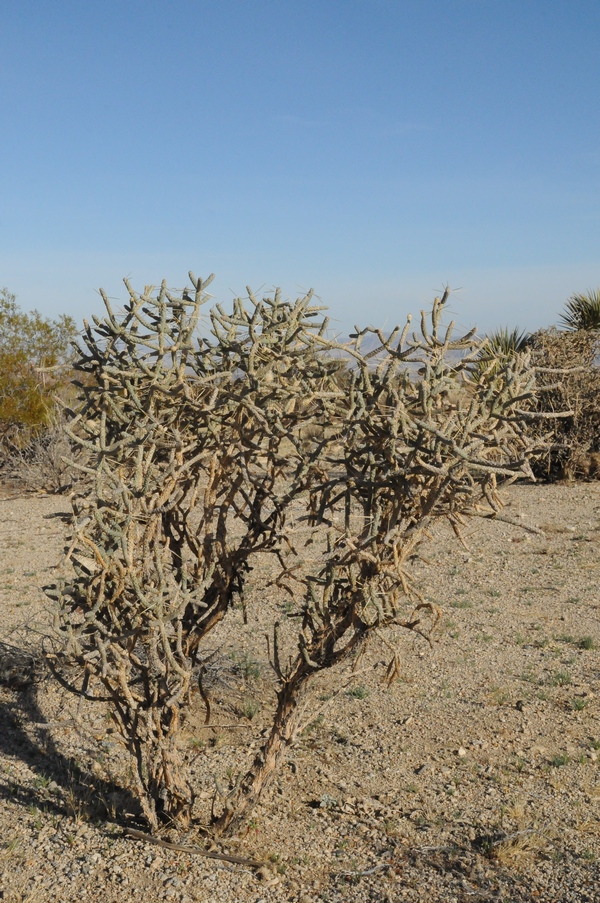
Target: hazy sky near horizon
{"type": "Point", "coordinates": [375, 150]}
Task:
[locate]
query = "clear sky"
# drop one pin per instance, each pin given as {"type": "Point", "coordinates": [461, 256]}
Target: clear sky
{"type": "Point", "coordinates": [372, 149]}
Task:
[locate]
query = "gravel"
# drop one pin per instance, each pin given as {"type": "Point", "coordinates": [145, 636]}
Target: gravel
{"type": "Point", "coordinates": [474, 777]}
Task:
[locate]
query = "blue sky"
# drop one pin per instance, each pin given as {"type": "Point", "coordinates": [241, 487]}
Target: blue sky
{"type": "Point", "coordinates": [372, 149]}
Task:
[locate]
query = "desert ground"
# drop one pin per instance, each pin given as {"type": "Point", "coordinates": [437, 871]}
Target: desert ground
{"type": "Point", "coordinates": [473, 777]}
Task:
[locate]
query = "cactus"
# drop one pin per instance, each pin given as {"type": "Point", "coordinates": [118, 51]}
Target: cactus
{"type": "Point", "coordinates": [415, 448]}
{"type": "Point", "coordinates": [184, 437]}
{"type": "Point", "coordinates": [198, 446]}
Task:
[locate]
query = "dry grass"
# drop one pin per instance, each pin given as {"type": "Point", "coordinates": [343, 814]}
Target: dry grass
{"type": "Point", "coordinates": [518, 850]}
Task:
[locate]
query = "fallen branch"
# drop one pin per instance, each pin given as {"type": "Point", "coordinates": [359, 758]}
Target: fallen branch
{"type": "Point", "coordinates": [196, 851]}
{"type": "Point", "coordinates": [512, 521]}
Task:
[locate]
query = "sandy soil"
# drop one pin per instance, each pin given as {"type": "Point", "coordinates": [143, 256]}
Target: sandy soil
{"type": "Point", "coordinates": [473, 777]}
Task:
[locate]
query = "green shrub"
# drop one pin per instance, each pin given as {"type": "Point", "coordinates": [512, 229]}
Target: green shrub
{"type": "Point", "coordinates": [34, 366]}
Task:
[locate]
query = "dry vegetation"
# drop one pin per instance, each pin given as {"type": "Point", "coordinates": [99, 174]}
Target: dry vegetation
{"type": "Point", "coordinates": [284, 550]}
{"type": "Point", "coordinates": [569, 380]}
{"type": "Point", "coordinates": [198, 461]}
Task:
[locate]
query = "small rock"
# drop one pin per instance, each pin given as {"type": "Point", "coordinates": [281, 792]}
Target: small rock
{"type": "Point", "coordinates": [461, 751]}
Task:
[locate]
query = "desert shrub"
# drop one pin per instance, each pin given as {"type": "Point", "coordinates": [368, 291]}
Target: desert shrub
{"type": "Point", "coordinates": [568, 376]}
{"type": "Point", "coordinates": [205, 451]}
{"type": "Point", "coordinates": [34, 367]}
{"type": "Point", "coordinates": [45, 463]}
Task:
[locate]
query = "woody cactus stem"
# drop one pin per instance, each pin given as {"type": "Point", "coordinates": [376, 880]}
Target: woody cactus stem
{"type": "Point", "coordinates": [238, 805]}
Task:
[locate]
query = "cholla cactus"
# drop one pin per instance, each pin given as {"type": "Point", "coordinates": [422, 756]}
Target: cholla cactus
{"type": "Point", "coordinates": [184, 436]}
{"type": "Point", "coordinates": [421, 439]}
{"type": "Point", "coordinates": [196, 450]}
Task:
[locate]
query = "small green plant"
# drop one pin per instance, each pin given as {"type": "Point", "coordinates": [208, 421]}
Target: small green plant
{"type": "Point", "coordinates": [250, 708]}
{"type": "Point", "coordinates": [358, 692]}
{"type": "Point", "coordinates": [484, 638]}
{"type": "Point", "coordinates": [41, 782]}
{"type": "Point", "coordinates": [559, 679]}
{"type": "Point", "coordinates": [579, 703]}
{"type": "Point", "coordinates": [499, 696]}
{"type": "Point", "coordinates": [36, 815]}
{"type": "Point", "coordinates": [565, 638]}
{"type": "Point", "coordinates": [275, 859]}
{"type": "Point", "coordinates": [13, 845]}
{"type": "Point", "coordinates": [559, 760]}
{"type": "Point", "coordinates": [247, 665]}
{"type": "Point", "coordinates": [586, 642]}
{"type": "Point", "coordinates": [315, 724]}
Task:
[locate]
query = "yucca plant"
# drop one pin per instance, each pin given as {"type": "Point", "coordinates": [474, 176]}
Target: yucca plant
{"type": "Point", "coordinates": [499, 346]}
{"type": "Point", "coordinates": [505, 341]}
{"type": "Point", "coordinates": [582, 311]}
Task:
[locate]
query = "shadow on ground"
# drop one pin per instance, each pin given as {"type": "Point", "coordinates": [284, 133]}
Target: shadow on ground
{"type": "Point", "coordinates": [61, 785]}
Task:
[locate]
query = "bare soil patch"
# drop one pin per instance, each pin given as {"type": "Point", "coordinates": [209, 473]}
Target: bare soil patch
{"type": "Point", "coordinates": [473, 777]}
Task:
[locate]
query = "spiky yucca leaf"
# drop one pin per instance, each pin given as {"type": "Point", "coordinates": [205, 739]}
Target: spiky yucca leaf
{"type": "Point", "coordinates": [582, 311]}
{"type": "Point", "coordinates": [500, 345]}
{"type": "Point", "coordinates": [505, 341]}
